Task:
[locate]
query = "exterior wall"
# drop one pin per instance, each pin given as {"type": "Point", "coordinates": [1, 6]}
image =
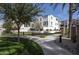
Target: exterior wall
{"type": "Point", "coordinates": [49, 23]}
{"type": "Point", "coordinates": [32, 24]}
{"type": "Point", "coordinates": [49, 30]}
{"type": "Point", "coordinates": [53, 24]}
{"type": "Point", "coordinates": [40, 20]}
{"type": "Point", "coordinates": [24, 29]}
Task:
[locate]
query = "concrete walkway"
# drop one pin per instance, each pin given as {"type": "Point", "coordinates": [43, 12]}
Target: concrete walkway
{"type": "Point", "coordinates": [49, 46]}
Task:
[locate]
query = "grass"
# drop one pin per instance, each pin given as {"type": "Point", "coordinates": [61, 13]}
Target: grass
{"type": "Point", "coordinates": [30, 33]}
{"type": "Point", "coordinates": [42, 36]}
{"type": "Point", "coordinates": [8, 34]}
{"type": "Point", "coordinates": [10, 46]}
{"type": "Point", "coordinates": [33, 34]}
{"type": "Point", "coordinates": [25, 33]}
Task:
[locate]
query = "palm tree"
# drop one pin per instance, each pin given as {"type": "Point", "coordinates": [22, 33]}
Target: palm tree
{"type": "Point", "coordinates": [20, 13]}
{"type": "Point", "coordinates": [71, 11]}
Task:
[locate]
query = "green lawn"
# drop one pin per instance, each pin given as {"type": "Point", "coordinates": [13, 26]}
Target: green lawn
{"type": "Point", "coordinates": [30, 33]}
{"type": "Point", "coordinates": [8, 34]}
{"type": "Point", "coordinates": [10, 46]}
{"type": "Point", "coordinates": [25, 33]}
{"type": "Point", "coordinates": [42, 36]}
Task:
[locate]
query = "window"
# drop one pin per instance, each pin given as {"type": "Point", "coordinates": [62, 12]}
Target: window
{"type": "Point", "coordinates": [51, 23]}
{"type": "Point", "coordinates": [51, 17]}
{"type": "Point", "coordinates": [40, 19]}
{"type": "Point", "coordinates": [41, 29]}
{"type": "Point", "coordinates": [46, 29]}
{"type": "Point", "coordinates": [50, 29]}
{"type": "Point", "coordinates": [25, 25]}
{"type": "Point", "coordinates": [45, 23]}
{"type": "Point", "coordinates": [56, 19]}
{"type": "Point", "coordinates": [32, 25]}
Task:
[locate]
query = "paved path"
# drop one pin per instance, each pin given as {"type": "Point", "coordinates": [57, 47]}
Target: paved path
{"type": "Point", "coordinates": [50, 47]}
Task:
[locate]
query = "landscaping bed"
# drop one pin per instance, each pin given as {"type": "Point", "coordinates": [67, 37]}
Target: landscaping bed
{"type": "Point", "coordinates": [11, 46]}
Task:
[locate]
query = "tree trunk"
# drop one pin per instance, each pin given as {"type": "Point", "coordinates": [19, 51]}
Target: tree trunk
{"type": "Point", "coordinates": [23, 33]}
{"type": "Point", "coordinates": [70, 19]}
{"type": "Point", "coordinates": [64, 29]}
{"type": "Point", "coordinates": [18, 34]}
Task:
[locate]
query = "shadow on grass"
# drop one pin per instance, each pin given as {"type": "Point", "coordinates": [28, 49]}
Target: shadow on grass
{"type": "Point", "coordinates": [10, 45]}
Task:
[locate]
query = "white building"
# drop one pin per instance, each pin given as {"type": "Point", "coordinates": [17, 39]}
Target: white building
{"type": "Point", "coordinates": [49, 24]}
{"type": "Point", "coordinates": [24, 28]}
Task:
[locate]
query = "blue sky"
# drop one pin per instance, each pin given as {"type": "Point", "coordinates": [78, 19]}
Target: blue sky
{"type": "Point", "coordinates": [58, 12]}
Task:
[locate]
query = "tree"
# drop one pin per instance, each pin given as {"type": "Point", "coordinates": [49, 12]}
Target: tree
{"type": "Point", "coordinates": [8, 26]}
{"type": "Point", "coordinates": [71, 11]}
{"type": "Point", "coordinates": [38, 26]}
{"type": "Point", "coordinates": [20, 13]}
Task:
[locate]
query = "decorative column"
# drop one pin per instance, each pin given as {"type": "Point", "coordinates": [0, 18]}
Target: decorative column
{"type": "Point", "coordinates": [78, 32]}
{"type": "Point", "coordinates": [73, 33]}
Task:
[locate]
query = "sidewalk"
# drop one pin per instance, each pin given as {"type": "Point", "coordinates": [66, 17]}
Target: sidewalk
{"type": "Point", "coordinates": [50, 47]}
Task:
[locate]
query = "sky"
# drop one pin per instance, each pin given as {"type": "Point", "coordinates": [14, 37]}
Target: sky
{"type": "Point", "coordinates": [57, 12]}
